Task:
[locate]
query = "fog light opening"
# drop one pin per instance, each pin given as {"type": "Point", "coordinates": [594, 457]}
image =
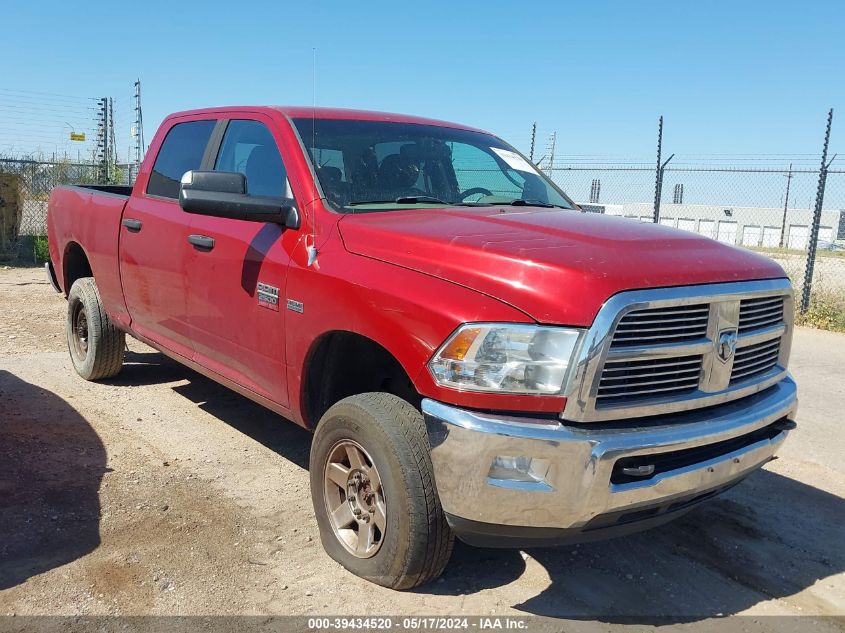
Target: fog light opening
{"type": "Point", "coordinates": [519, 468]}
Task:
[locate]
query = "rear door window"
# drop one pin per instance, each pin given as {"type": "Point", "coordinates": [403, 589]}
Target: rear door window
{"type": "Point", "coordinates": [182, 151]}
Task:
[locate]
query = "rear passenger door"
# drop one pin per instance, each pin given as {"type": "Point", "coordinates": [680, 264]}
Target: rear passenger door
{"type": "Point", "coordinates": [237, 331]}
{"type": "Point", "coordinates": [153, 239]}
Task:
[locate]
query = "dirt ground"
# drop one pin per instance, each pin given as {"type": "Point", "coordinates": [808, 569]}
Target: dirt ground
{"type": "Point", "coordinates": [160, 492]}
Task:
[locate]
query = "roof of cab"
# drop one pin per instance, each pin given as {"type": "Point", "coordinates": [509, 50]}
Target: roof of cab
{"type": "Point", "coordinates": [296, 112]}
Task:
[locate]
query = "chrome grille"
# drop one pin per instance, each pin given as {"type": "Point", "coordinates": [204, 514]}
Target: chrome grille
{"type": "Point", "coordinates": [754, 360]}
{"type": "Point", "coordinates": [665, 350]}
{"type": "Point", "coordinates": [662, 325]}
{"type": "Point", "coordinates": [626, 380]}
{"type": "Point", "coordinates": [760, 312]}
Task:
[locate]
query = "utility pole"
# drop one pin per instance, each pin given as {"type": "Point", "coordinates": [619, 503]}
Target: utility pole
{"type": "Point", "coordinates": [102, 148]}
{"type": "Point", "coordinates": [785, 207]}
{"type": "Point", "coordinates": [139, 129]}
{"type": "Point", "coordinates": [533, 138]}
{"type": "Point", "coordinates": [552, 142]}
{"type": "Point", "coordinates": [112, 154]}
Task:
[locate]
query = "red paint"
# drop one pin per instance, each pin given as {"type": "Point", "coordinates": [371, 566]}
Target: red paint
{"type": "Point", "coordinates": [405, 280]}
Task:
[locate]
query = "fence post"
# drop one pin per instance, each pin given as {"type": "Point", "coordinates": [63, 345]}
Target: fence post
{"type": "Point", "coordinates": [658, 175]}
{"type": "Point", "coordinates": [817, 216]}
{"type": "Point", "coordinates": [533, 137]}
{"type": "Point", "coordinates": [661, 167]}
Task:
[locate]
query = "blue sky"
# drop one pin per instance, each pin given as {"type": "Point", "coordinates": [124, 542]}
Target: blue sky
{"type": "Point", "coordinates": [729, 77]}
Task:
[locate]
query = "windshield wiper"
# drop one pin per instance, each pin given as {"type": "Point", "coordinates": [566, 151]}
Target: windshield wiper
{"type": "Point", "coordinates": [400, 200]}
{"type": "Point", "coordinates": [522, 202]}
{"type": "Point", "coordinates": [418, 199]}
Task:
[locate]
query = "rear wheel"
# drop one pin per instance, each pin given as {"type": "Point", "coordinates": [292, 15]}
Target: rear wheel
{"type": "Point", "coordinates": [374, 495]}
{"type": "Point", "coordinates": [95, 344]}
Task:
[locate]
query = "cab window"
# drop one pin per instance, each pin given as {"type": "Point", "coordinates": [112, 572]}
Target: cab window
{"type": "Point", "coordinates": [249, 148]}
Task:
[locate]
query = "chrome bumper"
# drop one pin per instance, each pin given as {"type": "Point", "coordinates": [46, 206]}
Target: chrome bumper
{"type": "Point", "coordinates": [576, 491]}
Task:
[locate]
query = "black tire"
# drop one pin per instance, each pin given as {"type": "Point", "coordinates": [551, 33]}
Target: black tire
{"type": "Point", "coordinates": [95, 344]}
{"type": "Point", "coordinates": [417, 542]}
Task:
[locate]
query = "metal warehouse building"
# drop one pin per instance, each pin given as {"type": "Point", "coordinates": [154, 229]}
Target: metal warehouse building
{"type": "Point", "coordinates": [748, 226]}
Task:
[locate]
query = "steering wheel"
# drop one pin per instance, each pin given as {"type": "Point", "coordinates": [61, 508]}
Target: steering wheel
{"type": "Point", "coordinates": [471, 192]}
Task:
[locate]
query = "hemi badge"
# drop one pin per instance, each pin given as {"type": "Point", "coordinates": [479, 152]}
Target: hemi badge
{"type": "Point", "coordinates": [296, 306]}
{"type": "Point", "coordinates": [268, 297]}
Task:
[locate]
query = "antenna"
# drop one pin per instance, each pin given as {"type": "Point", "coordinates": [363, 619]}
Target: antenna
{"type": "Point", "coordinates": [314, 99]}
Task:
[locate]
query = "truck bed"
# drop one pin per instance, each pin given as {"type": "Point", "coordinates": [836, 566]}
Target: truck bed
{"type": "Point", "coordinates": [118, 190]}
{"type": "Point", "coordinates": [83, 222]}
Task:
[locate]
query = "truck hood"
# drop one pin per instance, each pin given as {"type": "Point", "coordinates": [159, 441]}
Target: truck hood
{"type": "Point", "coordinates": [557, 266]}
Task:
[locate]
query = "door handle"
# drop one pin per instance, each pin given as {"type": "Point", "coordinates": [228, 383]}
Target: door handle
{"type": "Point", "coordinates": [133, 225]}
{"type": "Point", "coordinates": [201, 242]}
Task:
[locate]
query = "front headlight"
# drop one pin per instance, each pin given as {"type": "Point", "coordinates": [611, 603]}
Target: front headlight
{"type": "Point", "coordinates": [506, 358]}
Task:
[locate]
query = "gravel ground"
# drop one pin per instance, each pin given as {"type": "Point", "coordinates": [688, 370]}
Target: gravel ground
{"type": "Point", "coordinates": [160, 492]}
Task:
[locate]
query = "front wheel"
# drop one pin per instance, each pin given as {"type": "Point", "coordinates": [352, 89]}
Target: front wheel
{"type": "Point", "coordinates": [95, 344]}
{"type": "Point", "coordinates": [374, 495]}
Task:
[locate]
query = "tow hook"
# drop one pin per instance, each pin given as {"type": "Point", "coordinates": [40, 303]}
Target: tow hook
{"type": "Point", "coordinates": [785, 425]}
{"type": "Point", "coordinates": [645, 470]}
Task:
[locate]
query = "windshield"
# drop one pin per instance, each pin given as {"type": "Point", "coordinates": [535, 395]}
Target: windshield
{"type": "Point", "coordinates": [380, 166]}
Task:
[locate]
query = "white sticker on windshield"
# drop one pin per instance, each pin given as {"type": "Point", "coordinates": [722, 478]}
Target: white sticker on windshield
{"type": "Point", "coordinates": [514, 160]}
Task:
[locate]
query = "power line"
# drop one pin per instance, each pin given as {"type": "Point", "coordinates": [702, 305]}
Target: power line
{"type": "Point", "coordinates": [51, 94]}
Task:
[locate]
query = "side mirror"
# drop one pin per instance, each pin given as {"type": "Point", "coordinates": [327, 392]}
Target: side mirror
{"type": "Point", "coordinates": [223, 194]}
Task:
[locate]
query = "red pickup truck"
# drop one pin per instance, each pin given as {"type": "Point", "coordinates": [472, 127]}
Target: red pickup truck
{"type": "Point", "coordinates": [475, 355]}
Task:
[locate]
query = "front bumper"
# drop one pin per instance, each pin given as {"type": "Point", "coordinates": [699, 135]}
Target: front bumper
{"type": "Point", "coordinates": [584, 494]}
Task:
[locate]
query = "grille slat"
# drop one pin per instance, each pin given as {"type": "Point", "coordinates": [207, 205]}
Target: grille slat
{"type": "Point", "coordinates": [656, 327]}
{"type": "Point", "coordinates": [693, 370]}
{"type": "Point", "coordinates": [757, 325]}
{"type": "Point", "coordinates": [659, 363]}
{"type": "Point", "coordinates": [628, 394]}
{"type": "Point", "coordinates": [672, 325]}
{"type": "Point", "coordinates": [667, 320]}
{"type": "Point", "coordinates": [636, 318]}
{"type": "Point", "coordinates": [671, 311]}
{"type": "Point", "coordinates": [753, 349]}
{"type": "Point", "coordinates": [622, 381]}
{"type": "Point", "coordinates": [650, 339]}
{"type": "Point", "coordinates": [758, 368]}
{"type": "Point", "coordinates": [749, 361]}
{"type": "Point", "coordinates": [768, 308]}
{"type": "Point", "coordinates": [645, 383]}
{"type": "Point", "coordinates": [754, 360]}
{"type": "Point", "coordinates": [760, 312]}
{"type": "Point", "coordinates": [754, 321]}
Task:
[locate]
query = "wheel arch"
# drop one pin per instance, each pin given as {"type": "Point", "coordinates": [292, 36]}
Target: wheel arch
{"type": "Point", "coordinates": [75, 265]}
{"type": "Point", "coordinates": [341, 363]}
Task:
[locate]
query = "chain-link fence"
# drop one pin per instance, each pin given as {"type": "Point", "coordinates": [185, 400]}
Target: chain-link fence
{"type": "Point", "coordinates": [768, 210]}
{"type": "Point", "coordinates": [25, 187]}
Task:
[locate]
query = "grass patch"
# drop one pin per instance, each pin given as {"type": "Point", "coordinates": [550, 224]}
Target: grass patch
{"type": "Point", "coordinates": [774, 251]}
{"type": "Point", "coordinates": [41, 249]}
{"type": "Point", "coordinates": [826, 311]}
